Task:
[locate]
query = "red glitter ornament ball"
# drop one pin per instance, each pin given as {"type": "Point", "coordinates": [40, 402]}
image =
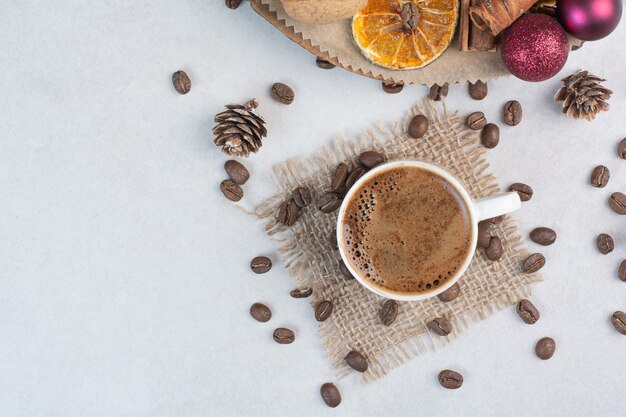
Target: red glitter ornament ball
{"type": "Point", "coordinates": [534, 47]}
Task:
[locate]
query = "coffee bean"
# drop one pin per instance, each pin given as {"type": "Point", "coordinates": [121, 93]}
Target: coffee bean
{"type": "Point", "coordinates": [450, 379]}
{"type": "Point", "coordinates": [261, 264]}
{"type": "Point", "coordinates": [182, 82]}
{"type": "Point", "coordinates": [533, 263]}
{"type": "Point", "coordinates": [388, 312]}
{"type": "Point", "coordinates": [605, 243]}
{"type": "Point", "coordinates": [440, 326]}
{"type": "Point", "coordinates": [339, 179]}
{"type": "Point", "coordinates": [476, 120]}
{"type": "Point", "coordinates": [392, 88]}
{"type": "Point", "coordinates": [344, 270]}
{"type": "Point", "coordinates": [236, 171]}
{"type": "Point", "coordinates": [621, 271]}
{"type": "Point", "coordinates": [288, 213]}
{"type": "Point", "coordinates": [330, 394]}
{"type": "Point", "coordinates": [512, 113]}
{"type": "Point", "coordinates": [323, 310]}
{"type": "Point", "coordinates": [329, 202]}
{"type": "Point", "coordinates": [524, 191]}
{"type": "Point", "coordinates": [484, 235]}
{"type": "Point", "coordinates": [356, 361]}
{"type": "Point", "coordinates": [621, 149]}
{"type": "Point", "coordinates": [437, 92]}
{"type": "Point", "coordinates": [354, 176]}
{"type": "Point", "coordinates": [418, 126]}
{"type": "Point", "coordinates": [527, 311]}
{"type": "Point", "coordinates": [617, 202]}
{"type": "Point", "coordinates": [600, 176]}
{"type": "Point", "coordinates": [284, 336]}
{"type": "Point", "coordinates": [323, 64]}
{"type": "Point", "coordinates": [302, 197]}
{"type": "Point", "coordinates": [231, 190]}
{"type": "Point", "coordinates": [232, 4]}
{"type": "Point", "coordinates": [543, 236]}
{"type": "Point", "coordinates": [450, 294]}
{"type": "Point", "coordinates": [619, 321]}
{"type": "Point", "coordinates": [370, 159]}
{"type": "Point", "coordinates": [282, 93]}
{"type": "Point", "coordinates": [332, 239]}
{"type": "Point", "coordinates": [494, 250]}
{"type": "Point", "coordinates": [545, 348]}
{"type": "Point", "coordinates": [477, 90]}
{"type": "Point", "coordinates": [301, 292]}
{"type": "Point", "coordinates": [261, 312]}
{"type": "Point", "coordinates": [490, 136]}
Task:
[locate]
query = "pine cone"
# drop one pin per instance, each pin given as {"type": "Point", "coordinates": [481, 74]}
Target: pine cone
{"type": "Point", "coordinates": [239, 130]}
{"type": "Point", "coordinates": [583, 96]}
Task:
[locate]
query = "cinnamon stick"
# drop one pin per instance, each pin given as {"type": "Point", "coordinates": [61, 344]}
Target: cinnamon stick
{"type": "Point", "coordinates": [496, 15]}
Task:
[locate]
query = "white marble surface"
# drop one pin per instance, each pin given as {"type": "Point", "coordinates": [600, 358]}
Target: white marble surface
{"type": "Point", "coordinates": [124, 280]}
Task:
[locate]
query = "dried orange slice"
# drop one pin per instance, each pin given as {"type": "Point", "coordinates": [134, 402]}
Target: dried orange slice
{"type": "Point", "coordinates": [405, 34]}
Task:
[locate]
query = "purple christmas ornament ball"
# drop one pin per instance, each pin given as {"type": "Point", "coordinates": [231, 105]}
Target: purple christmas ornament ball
{"type": "Point", "coordinates": [534, 47]}
{"type": "Point", "coordinates": [589, 20]}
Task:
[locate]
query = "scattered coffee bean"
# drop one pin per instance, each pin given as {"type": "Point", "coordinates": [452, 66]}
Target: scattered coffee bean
{"type": "Point", "coordinates": [354, 176]}
{"type": "Point", "coordinates": [301, 292]}
{"type": "Point", "coordinates": [527, 311]}
{"type": "Point", "coordinates": [338, 182]}
{"type": "Point", "coordinates": [605, 243]}
{"type": "Point", "coordinates": [370, 159]}
{"type": "Point", "coordinates": [545, 348]}
{"type": "Point", "coordinates": [440, 326]}
{"type": "Point", "coordinates": [232, 4]}
{"type": "Point", "coordinates": [261, 264]}
{"type": "Point", "coordinates": [476, 120]}
{"type": "Point", "coordinates": [261, 312]}
{"type": "Point", "coordinates": [392, 88]}
{"type": "Point", "coordinates": [600, 176]}
{"type": "Point", "coordinates": [484, 234]}
{"type": "Point", "coordinates": [323, 310]}
{"type": "Point", "coordinates": [512, 113]}
{"type": "Point", "coordinates": [302, 197]}
{"type": "Point", "coordinates": [231, 190]}
{"type": "Point", "coordinates": [617, 202]}
{"type": "Point", "coordinates": [282, 93]}
{"type": "Point", "coordinates": [543, 236]}
{"type": "Point", "coordinates": [619, 321]}
{"type": "Point", "coordinates": [332, 239]}
{"type": "Point", "coordinates": [344, 270]}
{"type": "Point", "coordinates": [524, 191]}
{"type": "Point", "coordinates": [450, 294]}
{"type": "Point", "coordinates": [182, 82]}
{"type": "Point", "coordinates": [330, 394]}
{"type": "Point", "coordinates": [477, 90]}
{"type": "Point", "coordinates": [388, 312]}
{"type": "Point", "coordinates": [494, 250]}
{"type": "Point", "coordinates": [323, 64]}
{"type": "Point", "coordinates": [497, 219]}
{"type": "Point", "coordinates": [329, 202]}
{"type": "Point", "coordinates": [533, 263]}
{"type": "Point", "coordinates": [284, 336]}
{"type": "Point", "coordinates": [621, 149]}
{"type": "Point", "coordinates": [356, 361]}
{"type": "Point", "coordinates": [236, 171]}
{"type": "Point", "coordinates": [438, 92]}
{"type": "Point", "coordinates": [490, 136]}
{"type": "Point", "coordinates": [288, 213]}
{"type": "Point", "coordinates": [418, 126]}
{"type": "Point", "coordinates": [450, 379]}
{"type": "Point", "coordinates": [621, 271]}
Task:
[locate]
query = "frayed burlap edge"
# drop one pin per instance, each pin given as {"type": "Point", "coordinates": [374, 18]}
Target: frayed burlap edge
{"type": "Point", "coordinates": [307, 254]}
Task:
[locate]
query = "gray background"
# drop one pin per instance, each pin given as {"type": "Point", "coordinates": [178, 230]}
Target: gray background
{"type": "Point", "coordinates": [124, 280]}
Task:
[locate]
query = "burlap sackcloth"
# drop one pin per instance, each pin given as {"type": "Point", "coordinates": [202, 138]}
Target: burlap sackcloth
{"type": "Point", "coordinates": [308, 255]}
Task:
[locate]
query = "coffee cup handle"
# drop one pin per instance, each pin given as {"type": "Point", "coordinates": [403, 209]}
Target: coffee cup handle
{"type": "Point", "coordinates": [497, 205]}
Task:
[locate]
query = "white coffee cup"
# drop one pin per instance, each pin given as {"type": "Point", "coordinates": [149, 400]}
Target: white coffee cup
{"type": "Point", "coordinates": [479, 209]}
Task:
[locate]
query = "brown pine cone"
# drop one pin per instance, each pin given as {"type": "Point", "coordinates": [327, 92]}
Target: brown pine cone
{"type": "Point", "coordinates": [583, 96]}
{"type": "Point", "coordinates": [239, 130]}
